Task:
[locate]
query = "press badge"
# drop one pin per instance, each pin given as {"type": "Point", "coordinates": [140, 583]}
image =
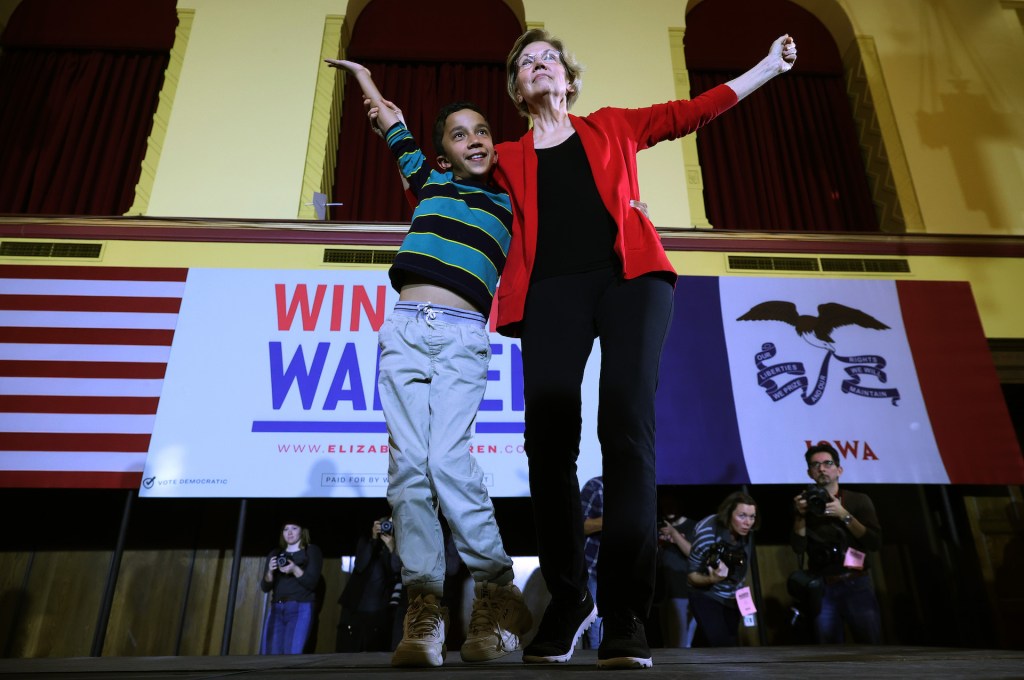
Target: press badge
{"type": "Point", "coordinates": [745, 601]}
{"type": "Point", "coordinates": [854, 559]}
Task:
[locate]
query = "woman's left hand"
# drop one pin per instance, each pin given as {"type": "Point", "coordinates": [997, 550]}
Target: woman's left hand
{"type": "Point", "coordinates": [293, 569]}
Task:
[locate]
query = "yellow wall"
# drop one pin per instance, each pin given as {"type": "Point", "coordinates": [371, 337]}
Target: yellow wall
{"type": "Point", "coordinates": [237, 135]}
{"type": "Point", "coordinates": [240, 121]}
{"type": "Point", "coordinates": [955, 77]}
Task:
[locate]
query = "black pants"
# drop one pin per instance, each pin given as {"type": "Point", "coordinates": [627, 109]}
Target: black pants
{"type": "Point", "coordinates": [563, 316]}
{"type": "Point", "coordinates": [717, 623]}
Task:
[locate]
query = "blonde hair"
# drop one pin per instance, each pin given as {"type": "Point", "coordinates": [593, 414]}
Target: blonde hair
{"type": "Point", "coordinates": [573, 69]}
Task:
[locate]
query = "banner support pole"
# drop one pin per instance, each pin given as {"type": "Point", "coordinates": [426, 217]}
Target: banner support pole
{"type": "Point", "coordinates": [236, 563]}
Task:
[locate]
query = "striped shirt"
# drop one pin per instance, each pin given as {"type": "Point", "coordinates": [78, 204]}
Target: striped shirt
{"type": "Point", "coordinates": [460, 230]}
{"type": "Point", "coordinates": [708, 532]}
{"type": "Point", "coordinates": [592, 504]}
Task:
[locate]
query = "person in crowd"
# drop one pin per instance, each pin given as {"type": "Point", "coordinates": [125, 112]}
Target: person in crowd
{"type": "Point", "coordinates": [837, 529]}
{"type": "Point", "coordinates": [592, 500]}
{"type": "Point", "coordinates": [677, 623]}
{"type": "Point", "coordinates": [585, 263]}
{"type": "Point", "coordinates": [721, 552]}
{"type": "Point", "coordinates": [435, 351]}
{"type": "Point", "coordinates": [373, 593]}
{"type": "Point", "coordinates": [291, 574]}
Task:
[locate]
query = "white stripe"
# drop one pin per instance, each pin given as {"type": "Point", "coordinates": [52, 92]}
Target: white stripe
{"type": "Point", "coordinates": [31, 319]}
{"type": "Point", "coordinates": [77, 423]}
{"type": "Point", "coordinates": [72, 461]}
{"type": "Point", "coordinates": [81, 387]}
{"type": "Point", "coordinates": [12, 351]}
{"type": "Point", "coordinates": [164, 289]}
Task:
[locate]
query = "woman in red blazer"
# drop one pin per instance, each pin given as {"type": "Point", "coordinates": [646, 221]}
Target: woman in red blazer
{"type": "Point", "coordinates": [586, 262]}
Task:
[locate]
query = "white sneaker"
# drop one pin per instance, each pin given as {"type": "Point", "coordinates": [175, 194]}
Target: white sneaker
{"type": "Point", "coordinates": [422, 634]}
{"type": "Point", "coordinates": [498, 619]}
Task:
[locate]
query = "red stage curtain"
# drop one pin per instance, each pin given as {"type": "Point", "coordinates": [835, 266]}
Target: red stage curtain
{"type": "Point", "coordinates": [786, 158]}
{"type": "Point", "coordinates": [79, 82]}
{"type": "Point", "coordinates": [398, 41]}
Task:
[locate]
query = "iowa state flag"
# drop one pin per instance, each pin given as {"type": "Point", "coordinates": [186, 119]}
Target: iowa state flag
{"type": "Point", "coordinates": [895, 374]}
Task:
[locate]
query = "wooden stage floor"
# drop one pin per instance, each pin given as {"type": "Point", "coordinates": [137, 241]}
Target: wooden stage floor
{"type": "Point", "coordinates": [804, 663]}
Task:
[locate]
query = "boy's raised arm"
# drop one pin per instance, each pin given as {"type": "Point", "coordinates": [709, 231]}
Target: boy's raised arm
{"type": "Point", "coordinates": [386, 117]}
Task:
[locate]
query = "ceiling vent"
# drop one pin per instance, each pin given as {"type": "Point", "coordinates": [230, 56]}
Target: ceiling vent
{"type": "Point", "coordinates": [774, 264]}
{"type": "Point", "coordinates": [352, 256]}
{"type": "Point", "coordinates": [854, 264]}
{"type": "Point", "coordinates": [833, 265]}
{"type": "Point", "coordinates": [60, 249]}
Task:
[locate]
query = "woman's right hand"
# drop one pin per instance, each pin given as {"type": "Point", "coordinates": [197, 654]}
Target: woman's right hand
{"type": "Point", "coordinates": [373, 113]}
{"type": "Point", "coordinates": [720, 573]}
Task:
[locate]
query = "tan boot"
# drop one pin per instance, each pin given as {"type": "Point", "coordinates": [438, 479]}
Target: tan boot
{"type": "Point", "coordinates": [423, 631]}
{"type": "Point", "coordinates": [498, 620]}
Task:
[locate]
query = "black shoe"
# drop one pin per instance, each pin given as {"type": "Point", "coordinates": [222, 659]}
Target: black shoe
{"type": "Point", "coordinates": [559, 631]}
{"type": "Point", "coordinates": [624, 644]}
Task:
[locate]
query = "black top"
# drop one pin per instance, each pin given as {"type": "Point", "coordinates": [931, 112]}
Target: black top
{"type": "Point", "coordinates": [575, 231]}
{"type": "Point", "coordinates": [290, 588]}
{"type": "Point", "coordinates": [373, 579]}
{"type": "Point", "coordinates": [827, 539]}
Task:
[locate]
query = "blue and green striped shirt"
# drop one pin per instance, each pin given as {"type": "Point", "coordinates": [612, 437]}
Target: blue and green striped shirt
{"type": "Point", "coordinates": [460, 230]}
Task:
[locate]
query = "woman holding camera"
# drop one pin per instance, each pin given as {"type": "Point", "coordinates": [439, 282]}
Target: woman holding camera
{"type": "Point", "coordinates": [718, 561]}
{"type": "Point", "coordinates": [292, 573]}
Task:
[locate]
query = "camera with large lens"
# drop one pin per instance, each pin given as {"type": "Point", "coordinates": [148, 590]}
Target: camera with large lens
{"type": "Point", "coordinates": [817, 498]}
{"type": "Point", "coordinates": [387, 527]}
{"type": "Point", "coordinates": [714, 555]}
{"type": "Point", "coordinates": [733, 556]}
{"type": "Point", "coordinates": [283, 559]}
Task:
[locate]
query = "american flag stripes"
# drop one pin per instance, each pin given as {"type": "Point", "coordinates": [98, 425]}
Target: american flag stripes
{"type": "Point", "coordinates": [83, 352]}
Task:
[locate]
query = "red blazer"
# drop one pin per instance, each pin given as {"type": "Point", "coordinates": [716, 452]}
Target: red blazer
{"type": "Point", "coordinates": [611, 139]}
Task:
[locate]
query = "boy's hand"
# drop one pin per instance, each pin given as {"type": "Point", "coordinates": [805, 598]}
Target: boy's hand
{"type": "Point", "coordinates": [373, 112]}
{"type": "Point", "coordinates": [387, 112]}
{"type": "Point", "coordinates": [347, 65]}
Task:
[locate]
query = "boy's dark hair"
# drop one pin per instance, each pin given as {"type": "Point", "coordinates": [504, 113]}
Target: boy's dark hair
{"type": "Point", "coordinates": [442, 118]}
{"type": "Point", "coordinates": [822, 448]}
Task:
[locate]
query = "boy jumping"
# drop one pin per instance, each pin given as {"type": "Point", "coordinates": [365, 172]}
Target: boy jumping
{"type": "Point", "coordinates": [435, 350]}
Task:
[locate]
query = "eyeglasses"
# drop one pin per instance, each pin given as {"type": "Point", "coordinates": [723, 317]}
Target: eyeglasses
{"type": "Point", "coordinates": [817, 465]}
{"type": "Point", "coordinates": [548, 57]}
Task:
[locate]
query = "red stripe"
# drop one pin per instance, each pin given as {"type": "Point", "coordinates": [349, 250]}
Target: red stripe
{"type": "Point", "coordinates": [82, 369]}
{"type": "Point", "coordinates": [968, 414]}
{"type": "Point", "coordinates": [53, 441]}
{"type": "Point", "coordinates": [24, 403]}
{"type": "Point", "coordinates": [87, 336]}
{"type": "Point", "coordinates": [90, 303]}
{"type": "Point", "coordinates": [25, 479]}
{"type": "Point", "coordinates": [18, 271]}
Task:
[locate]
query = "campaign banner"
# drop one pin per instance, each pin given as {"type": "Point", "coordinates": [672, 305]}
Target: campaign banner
{"type": "Point", "coordinates": [896, 375]}
{"type": "Point", "coordinates": [271, 391]}
{"type": "Point", "coordinates": [262, 383]}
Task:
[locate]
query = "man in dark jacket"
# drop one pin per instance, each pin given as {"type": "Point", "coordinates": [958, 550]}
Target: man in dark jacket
{"type": "Point", "coordinates": [837, 529]}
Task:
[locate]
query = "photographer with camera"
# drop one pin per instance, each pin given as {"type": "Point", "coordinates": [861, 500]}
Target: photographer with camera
{"type": "Point", "coordinates": [292, 573]}
{"type": "Point", "coordinates": [721, 550]}
{"type": "Point", "coordinates": [373, 593]}
{"type": "Point", "coordinates": [836, 529]}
